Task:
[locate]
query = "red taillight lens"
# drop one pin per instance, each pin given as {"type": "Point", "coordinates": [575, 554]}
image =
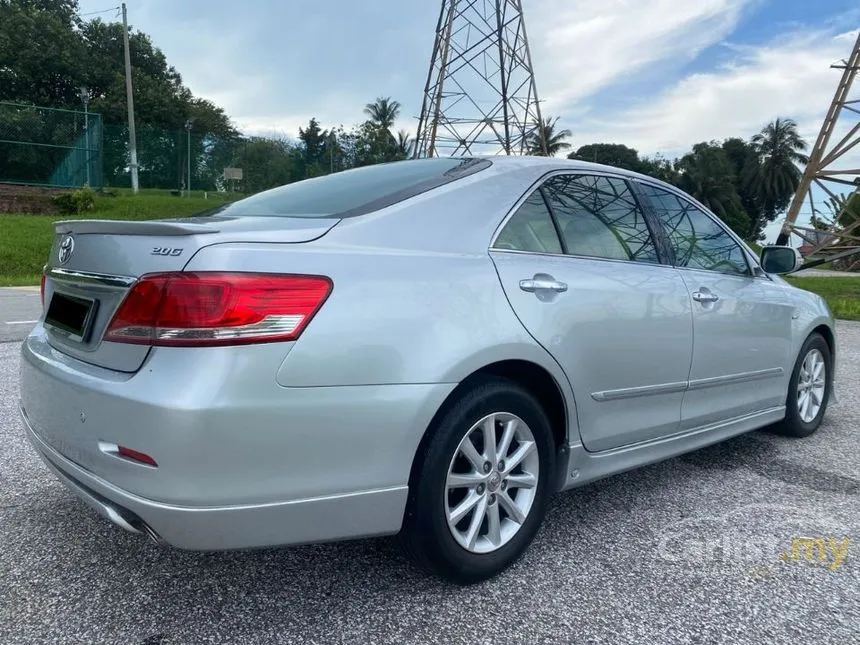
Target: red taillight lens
{"type": "Point", "coordinates": [42, 288]}
{"type": "Point", "coordinates": [217, 308]}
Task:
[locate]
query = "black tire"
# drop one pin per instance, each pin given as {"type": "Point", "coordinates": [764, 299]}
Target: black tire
{"type": "Point", "coordinates": [426, 537]}
{"type": "Point", "coordinates": [793, 425]}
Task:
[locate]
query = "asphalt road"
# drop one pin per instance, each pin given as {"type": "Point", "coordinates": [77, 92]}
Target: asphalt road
{"type": "Point", "coordinates": [19, 310]}
{"type": "Point", "coordinates": [687, 551]}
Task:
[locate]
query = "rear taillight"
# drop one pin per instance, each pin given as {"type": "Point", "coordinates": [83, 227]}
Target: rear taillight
{"type": "Point", "coordinates": [217, 308]}
{"type": "Point", "coordinates": [42, 288]}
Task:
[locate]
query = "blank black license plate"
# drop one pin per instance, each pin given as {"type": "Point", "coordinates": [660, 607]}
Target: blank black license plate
{"type": "Point", "coordinates": [70, 314]}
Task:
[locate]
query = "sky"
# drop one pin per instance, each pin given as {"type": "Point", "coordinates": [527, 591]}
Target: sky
{"type": "Point", "coordinates": [656, 75]}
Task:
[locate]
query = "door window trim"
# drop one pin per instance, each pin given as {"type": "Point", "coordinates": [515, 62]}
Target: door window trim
{"type": "Point", "coordinates": [663, 259]}
{"type": "Point", "coordinates": [684, 197]}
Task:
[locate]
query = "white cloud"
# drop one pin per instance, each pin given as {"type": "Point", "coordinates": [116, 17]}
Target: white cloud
{"type": "Point", "coordinates": [791, 77]}
{"type": "Point", "coordinates": [582, 47]}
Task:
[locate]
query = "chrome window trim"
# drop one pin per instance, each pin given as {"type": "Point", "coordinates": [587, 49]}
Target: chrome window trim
{"type": "Point", "coordinates": [572, 256]}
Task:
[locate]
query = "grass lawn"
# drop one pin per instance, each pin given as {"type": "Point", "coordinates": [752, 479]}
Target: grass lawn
{"type": "Point", "coordinates": [25, 240]}
{"type": "Point", "coordinates": [842, 294]}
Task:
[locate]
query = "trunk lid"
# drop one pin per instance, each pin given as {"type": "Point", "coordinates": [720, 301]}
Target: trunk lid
{"type": "Point", "coordinates": [94, 263]}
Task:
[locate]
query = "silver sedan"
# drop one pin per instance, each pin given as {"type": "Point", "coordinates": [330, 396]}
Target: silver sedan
{"type": "Point", "coordinates": [428, 348]}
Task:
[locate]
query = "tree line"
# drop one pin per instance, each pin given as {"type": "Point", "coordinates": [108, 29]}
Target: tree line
{"type": "Point", "coordinates": [748, 183]}
{"type": "Point", "coordinates": [48, 52]}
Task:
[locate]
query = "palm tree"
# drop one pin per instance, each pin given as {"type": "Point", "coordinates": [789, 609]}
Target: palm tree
{"type": "Point", "coordinates": [404, 144]}
{"type": "Point", "coordinates": [555, 141]}
{"type": "Point", "coordinates": [383, 112]}
{"type": "Point", "coordinates": [774, 179]}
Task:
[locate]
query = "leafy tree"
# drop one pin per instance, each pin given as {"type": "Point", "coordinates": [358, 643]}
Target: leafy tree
{"type": "Point", "coordinates": [313, 140]}
{"type": "Point", "coordinates": [706, 174]}
{"type": "Point", "coordinates": [660, 168]}
{"type": "Point", "coordinates": [47, 53]}
{"type": "Point", "coordinates": [744, 159]}
{"type": "Point", "coordinates": [776, 176]}
{"type": "Point", "coordinates": [609, 154]}
{"type": "Point", "coordinates": [555, 140]}
{"type": "Point", "coordinates": [42, 57]}
{"type": "Point", "coordinates": [267, 163]}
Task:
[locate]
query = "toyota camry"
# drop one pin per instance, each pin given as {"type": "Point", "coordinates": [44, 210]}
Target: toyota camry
{"type": "Point", "coordinates": [429, 348]}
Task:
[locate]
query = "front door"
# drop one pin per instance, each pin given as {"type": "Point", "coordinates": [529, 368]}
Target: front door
{"type": "Point", "coordinates": [579, 265]}
{"type": "Point", "coordinates": [741, 322]}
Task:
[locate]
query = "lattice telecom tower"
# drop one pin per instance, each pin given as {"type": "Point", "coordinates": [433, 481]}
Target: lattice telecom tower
{"type": "Point", "coordinates": [842, 238]}
{"type": "Point", "coordinates": [480, 96]}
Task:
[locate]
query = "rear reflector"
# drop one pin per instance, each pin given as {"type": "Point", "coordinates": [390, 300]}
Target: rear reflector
{"type": "Point", "coordinates": [134, 455]}
{"type": "Point", "coordinates": [199, 309]}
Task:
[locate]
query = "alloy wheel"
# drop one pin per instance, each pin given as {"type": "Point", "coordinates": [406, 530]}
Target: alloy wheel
{"type": "Point", "coordinates": [811, 385]}
{"type": "Point", "coordinates": [491, 482]}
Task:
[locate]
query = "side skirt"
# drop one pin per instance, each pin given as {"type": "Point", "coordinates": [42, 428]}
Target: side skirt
{"type": "Point", "coordinates": [584, 467]}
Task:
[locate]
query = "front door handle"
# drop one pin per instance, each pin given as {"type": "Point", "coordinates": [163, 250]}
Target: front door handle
{"type": "Point", "coordinates": [705, 296]}
{"type": "Point", "coordinates": [542, 283]}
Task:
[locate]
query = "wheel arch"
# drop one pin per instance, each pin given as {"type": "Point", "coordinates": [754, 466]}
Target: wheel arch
{"type": "Point", "coordinates": [829, 337]}
{"type": "Point", "coordinates": [534, 378]}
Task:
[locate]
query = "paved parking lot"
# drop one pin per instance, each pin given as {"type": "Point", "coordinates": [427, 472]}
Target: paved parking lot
{"type": "Point", "coordinates": [19, 309]}
{"type": "Point", "coordinates": [706, 548]}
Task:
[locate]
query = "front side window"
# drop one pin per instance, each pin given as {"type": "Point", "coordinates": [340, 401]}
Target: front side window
{"type": "Point", "coordinates": [599, 217]}
{"type": "Point", "coordinates": [698, 241]}
{"type": "Point", "coordinates": [530, 229]}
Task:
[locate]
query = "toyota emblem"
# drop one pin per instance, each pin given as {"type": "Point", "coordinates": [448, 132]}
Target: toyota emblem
{"type": "Point", "coordinates": [67, 246]}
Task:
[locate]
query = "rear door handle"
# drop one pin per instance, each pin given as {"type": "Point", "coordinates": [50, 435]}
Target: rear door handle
{"type": "Point", "coordinates": [705, 296]}
{"type": "Point", "coordinates": [542, 283]}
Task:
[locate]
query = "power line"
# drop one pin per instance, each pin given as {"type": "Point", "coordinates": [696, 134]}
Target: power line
{"type": "Point", "coordinates": [92, 13]}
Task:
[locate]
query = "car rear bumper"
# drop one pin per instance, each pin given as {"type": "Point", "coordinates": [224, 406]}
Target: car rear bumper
{"type": "Point", "coordinates": [336, 517]}
{"type": "Point", "coordinates": [241, 461]}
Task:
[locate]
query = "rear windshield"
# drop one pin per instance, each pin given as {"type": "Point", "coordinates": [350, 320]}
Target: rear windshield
{"type": "Point", "coordinates": [357, 191]}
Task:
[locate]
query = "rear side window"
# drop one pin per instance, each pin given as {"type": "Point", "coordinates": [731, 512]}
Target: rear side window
{"type": "Point", "coordinates": [599, 217]}
{"type": "Point", "coordinates": [697, 240]}
{"type": "Point", "coordinates": [357, 191]}
{"type": "Point", "coordinates": [530, 228]}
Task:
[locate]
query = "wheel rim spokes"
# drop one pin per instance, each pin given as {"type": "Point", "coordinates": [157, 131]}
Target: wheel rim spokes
{"type": "Point", "coordinates": [811, 386]}
{"type": "Point", "coordinates": [491, 483]}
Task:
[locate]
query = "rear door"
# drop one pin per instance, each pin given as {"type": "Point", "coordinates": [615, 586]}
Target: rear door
{"type": "Point", "coordinates": [580, 266]}
{"type": "Point", "coordinates": [741, 321]}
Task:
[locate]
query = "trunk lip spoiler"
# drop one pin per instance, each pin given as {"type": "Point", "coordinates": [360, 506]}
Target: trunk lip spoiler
{"type": "Point", "coordinates": [130, 227]}
{"type": "Point", "coordinates": [67, 275]}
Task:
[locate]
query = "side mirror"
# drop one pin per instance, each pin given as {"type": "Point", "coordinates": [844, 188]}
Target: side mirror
{"type": "Point", "coordinates": [780, 259]}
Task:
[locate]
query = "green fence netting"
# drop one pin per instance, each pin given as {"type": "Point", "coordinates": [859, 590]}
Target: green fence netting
{"type": "Point", "coordinates": [50, 147]}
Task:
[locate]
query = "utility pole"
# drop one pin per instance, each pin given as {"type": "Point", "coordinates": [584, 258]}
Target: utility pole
{"type": "Point", "coordinates": [132, 139]}
{"type": "Point", "coordinates": [85, 98]}
{"type": "Point", "coordinates": [188, 125]}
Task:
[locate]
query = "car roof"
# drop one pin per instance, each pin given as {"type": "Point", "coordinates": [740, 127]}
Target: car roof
{"type": "Point", "coordinates": [526, 161]}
